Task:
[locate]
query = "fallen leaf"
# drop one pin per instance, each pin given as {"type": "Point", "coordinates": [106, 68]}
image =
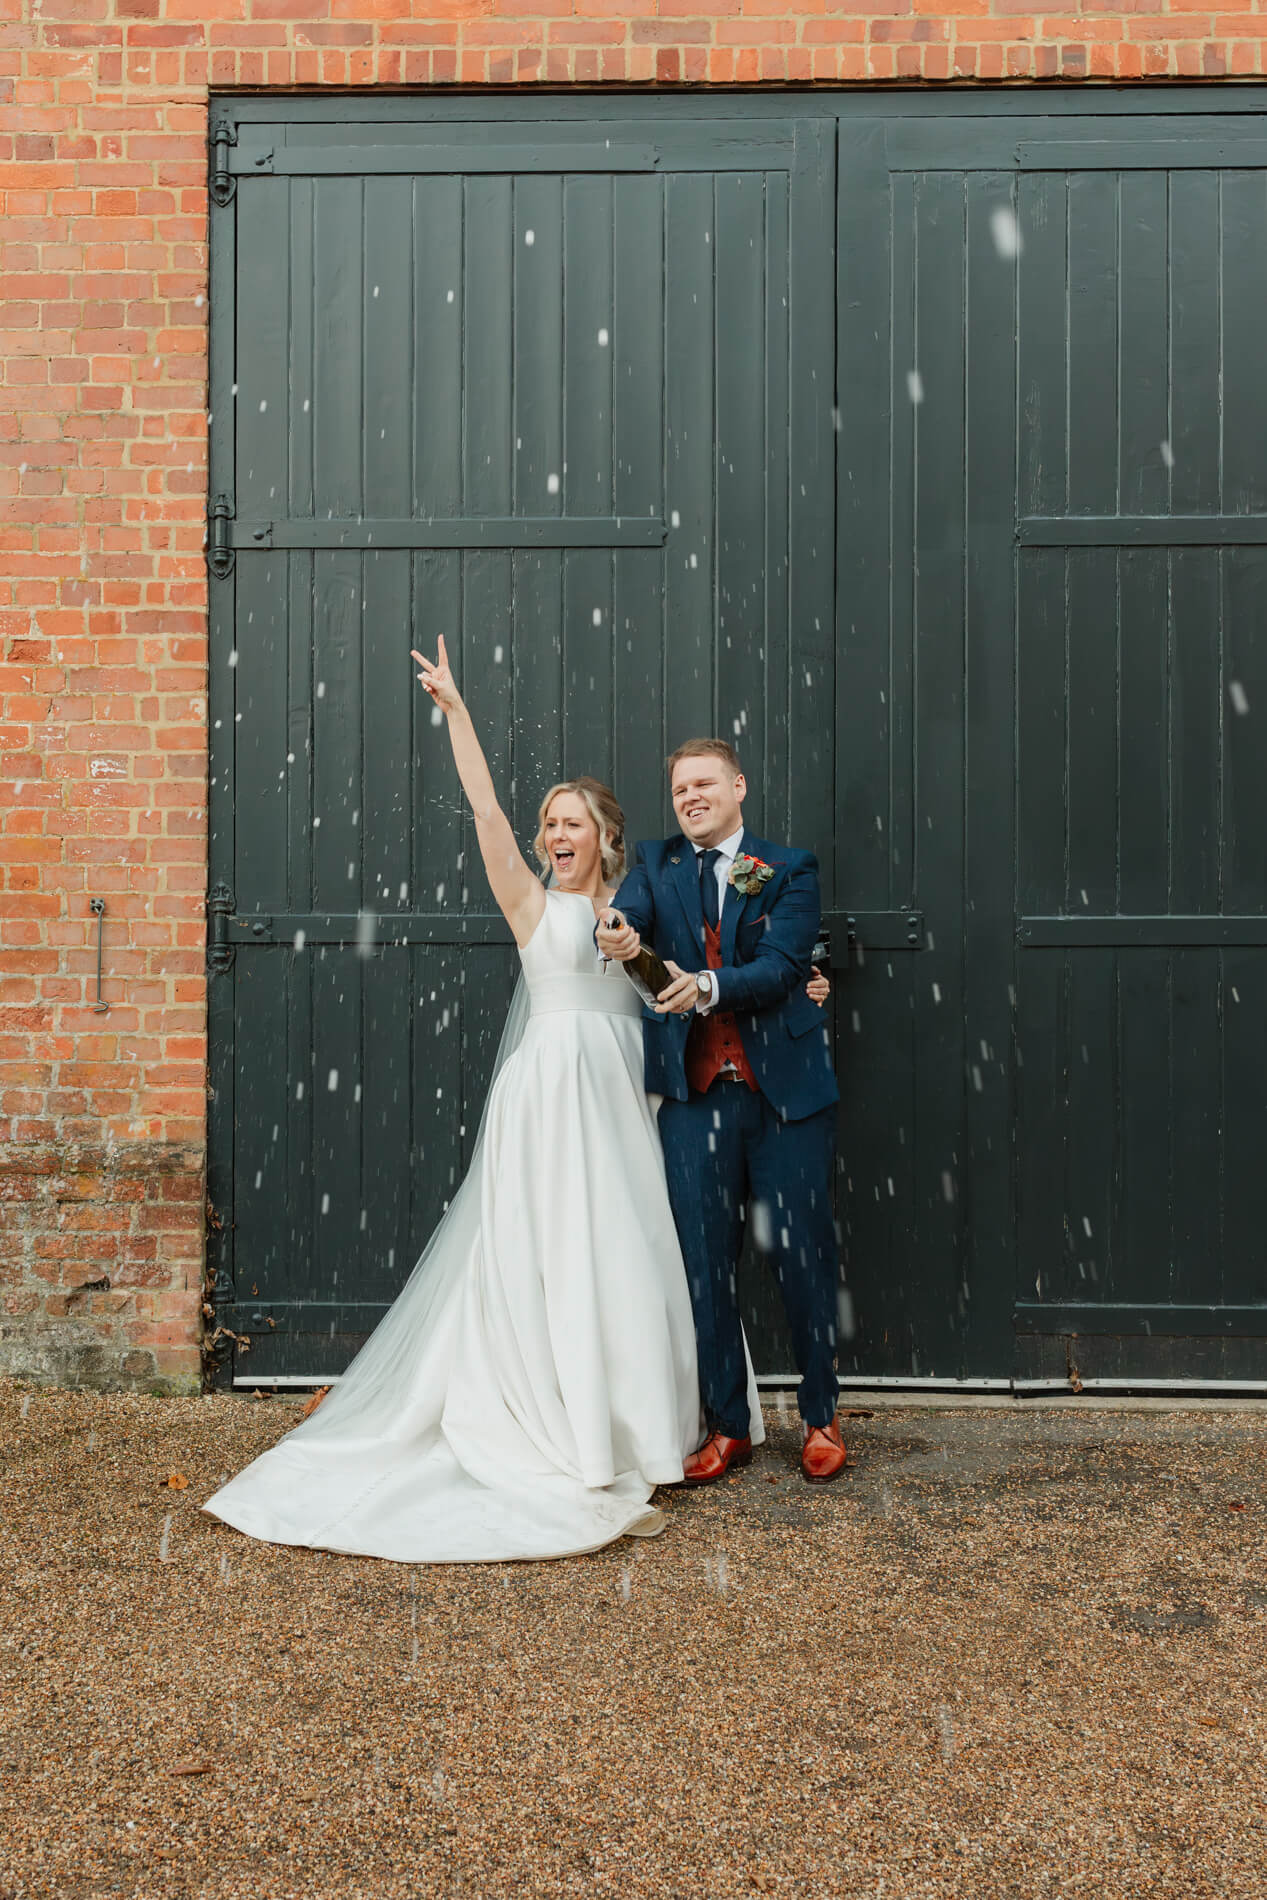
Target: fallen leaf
{"type": "Point", "coordinates": [177, 1481]}
{"type": "Point", "coordinates": [190, 1768]}
{"type": "Point", "coordinates": [1236, 1504]}
{"type": "Point", "coordinates": [856, 1414]}
{"type": "Point", "coordinates": [1209, 1721]}
{"type": "Point", "coordinates": [311, 1405]}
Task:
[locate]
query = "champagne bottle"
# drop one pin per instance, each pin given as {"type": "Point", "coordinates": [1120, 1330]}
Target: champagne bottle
{"type": "Point", "coordinates": [645, 971]}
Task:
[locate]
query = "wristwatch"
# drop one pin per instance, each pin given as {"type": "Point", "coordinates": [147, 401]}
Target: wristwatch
{"type": "Point", "coordinates": [704, 987]}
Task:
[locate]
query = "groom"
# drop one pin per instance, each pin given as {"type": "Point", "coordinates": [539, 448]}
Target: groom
{"type": "Point", "coordinates": [740, 1054]}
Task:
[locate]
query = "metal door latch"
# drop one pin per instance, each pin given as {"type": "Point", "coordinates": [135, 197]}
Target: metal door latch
{"type": "Point", "coordinates": [885, 929]}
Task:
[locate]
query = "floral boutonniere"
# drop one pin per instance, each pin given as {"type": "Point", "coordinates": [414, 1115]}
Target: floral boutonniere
{"type": "Point", "coordinates": [749, 874]}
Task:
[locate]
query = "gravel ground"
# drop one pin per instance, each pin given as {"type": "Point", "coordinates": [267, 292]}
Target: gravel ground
{"type": "Point", "coordinates": [1008, 1655]}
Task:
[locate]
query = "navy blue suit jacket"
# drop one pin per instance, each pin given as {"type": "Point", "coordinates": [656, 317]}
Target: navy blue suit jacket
{"type": "Point", "coordinates": [766, 942]}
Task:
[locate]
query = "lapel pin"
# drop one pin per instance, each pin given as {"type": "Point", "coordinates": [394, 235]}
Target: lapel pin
{"type": "Point", "coordinates": [675, 860]}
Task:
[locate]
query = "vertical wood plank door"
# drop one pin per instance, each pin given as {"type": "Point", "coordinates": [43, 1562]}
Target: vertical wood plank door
{"type": "Point", "coordinates": [918, 443]}
{"type": "Point", "coordinates": [562, 392]}
{"type": "Point", "coordinates": [924, 819]}
{"type": "Point", "coordinates": [1141, 672]}
{"type": "Point", "coordinates": [1052, 601]}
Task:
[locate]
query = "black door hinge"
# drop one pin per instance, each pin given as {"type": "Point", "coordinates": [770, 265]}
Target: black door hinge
{"type": "Point", "coordinates": [223, 134]}
{"type": "Point", "coordinates": [219, 545]}
{"type": "Point", "coordinates": [220, 908]}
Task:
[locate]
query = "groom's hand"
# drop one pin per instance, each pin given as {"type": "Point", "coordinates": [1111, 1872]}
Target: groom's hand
{"type": "Point", "coordinates": [682, 994]}
{"type": "Point", "coordinates": [617, 938]}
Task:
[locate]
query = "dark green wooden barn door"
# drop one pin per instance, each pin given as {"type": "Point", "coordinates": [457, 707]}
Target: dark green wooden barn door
{"type": "Point", "coordinates": [923, 840]}
{"type": "Point", "coordinates": [1142, 776]}
{"type": "Point", "coordinates": [1053, 587]}
{"type": "Point", "coordinates": [563, 392]}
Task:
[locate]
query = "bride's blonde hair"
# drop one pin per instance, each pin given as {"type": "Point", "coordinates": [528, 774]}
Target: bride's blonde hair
{"type": "Point", "coordinates": [609, 822]}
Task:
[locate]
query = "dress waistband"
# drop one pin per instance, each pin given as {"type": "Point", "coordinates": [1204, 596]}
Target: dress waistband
{"type": "Point", "coordinates": [608, 995]}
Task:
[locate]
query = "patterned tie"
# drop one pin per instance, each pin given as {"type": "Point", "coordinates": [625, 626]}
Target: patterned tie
{"type": "Point", "coordinates": [708, 888]}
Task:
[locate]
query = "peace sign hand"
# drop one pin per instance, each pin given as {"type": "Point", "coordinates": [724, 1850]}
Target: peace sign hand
{"type": "Point", "coordinates": [438, 680]}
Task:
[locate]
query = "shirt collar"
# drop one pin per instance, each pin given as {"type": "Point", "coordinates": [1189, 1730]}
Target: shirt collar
{"type": "Point", "coordinates": [728, 848]}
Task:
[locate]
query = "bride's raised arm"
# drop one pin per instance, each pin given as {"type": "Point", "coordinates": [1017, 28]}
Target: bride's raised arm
{"type": "Point", "coordinates": [520, 896]}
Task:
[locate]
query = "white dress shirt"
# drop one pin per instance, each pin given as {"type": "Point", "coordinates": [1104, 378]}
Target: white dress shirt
{"type": "Point", "coordinates": [727, 851]}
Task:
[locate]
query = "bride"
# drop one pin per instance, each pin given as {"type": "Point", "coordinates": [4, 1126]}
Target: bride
{"type": "Point", "coordinates": [535, 1379]}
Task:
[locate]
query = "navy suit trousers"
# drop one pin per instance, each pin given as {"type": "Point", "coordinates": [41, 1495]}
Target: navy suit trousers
{"type": "Point", "coordinates": [724, 1149]}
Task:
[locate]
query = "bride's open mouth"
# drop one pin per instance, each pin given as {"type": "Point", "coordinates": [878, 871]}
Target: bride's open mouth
{"type": "Point", "coordinates": [563, 859]}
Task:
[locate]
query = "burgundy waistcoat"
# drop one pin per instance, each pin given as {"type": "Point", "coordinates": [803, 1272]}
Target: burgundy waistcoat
{"type": "Point", "coordinates": [714, 1039]}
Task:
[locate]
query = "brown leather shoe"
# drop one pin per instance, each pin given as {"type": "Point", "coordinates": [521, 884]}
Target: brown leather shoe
{"type": "Point", "coordinates": [823, 1453]}
{"type": "Point", "coordinates": [715, 1457]}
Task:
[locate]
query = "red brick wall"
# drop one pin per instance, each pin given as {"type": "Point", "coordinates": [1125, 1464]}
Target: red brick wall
{"type": "Point", "coordinates": [102, 589]}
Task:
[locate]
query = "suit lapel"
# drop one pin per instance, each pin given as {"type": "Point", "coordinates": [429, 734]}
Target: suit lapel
{"type": "Point", "coordinates": [684, 871]}
{"type": "Point", "coordinates": [732, 909]}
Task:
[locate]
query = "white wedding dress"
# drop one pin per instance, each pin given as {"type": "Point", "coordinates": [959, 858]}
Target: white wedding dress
{"type": "Point", "coordinates": [535, 1379]}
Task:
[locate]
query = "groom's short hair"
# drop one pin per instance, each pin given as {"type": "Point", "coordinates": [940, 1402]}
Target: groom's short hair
{"type": "Point", "coordinates": [705, 749]}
